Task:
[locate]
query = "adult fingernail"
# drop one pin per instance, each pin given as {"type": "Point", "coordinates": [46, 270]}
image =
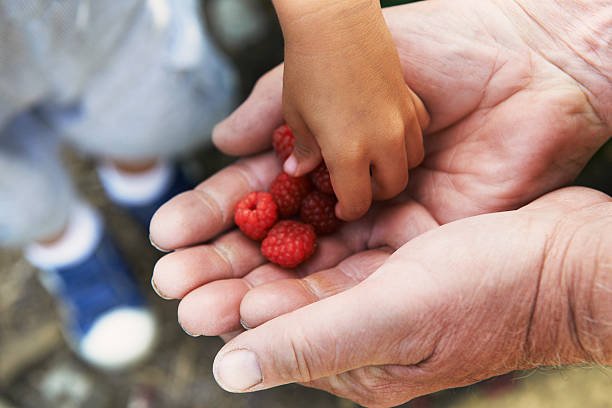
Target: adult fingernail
{"type": "Point", "coordinates": [245, 325]}
{"type": "Point", "coordinates": [238, 371]}
{"type": "Point", "coordinates": [154, 245]}
{"type": "Point", "coordinates": [290, 165]}
{"type": "Point", "coordinates": [217, 131]}
{"type": "Point", "coordinates": [156, 290]}
{"type": "Point", "coordinates": [187, 331]}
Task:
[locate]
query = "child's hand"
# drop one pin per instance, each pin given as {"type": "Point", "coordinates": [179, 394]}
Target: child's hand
{"type": "Point", "coordinates": [347, 102]}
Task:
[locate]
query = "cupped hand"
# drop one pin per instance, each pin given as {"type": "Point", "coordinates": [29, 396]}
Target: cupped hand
{"type": "Point", "coordinates": [473, 299]}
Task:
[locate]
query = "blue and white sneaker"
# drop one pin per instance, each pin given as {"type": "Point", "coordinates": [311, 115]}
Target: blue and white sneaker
{"type": "Point", "coordinates": [142, 194]}
{"type": "Point", "coordinates": [107, 321]}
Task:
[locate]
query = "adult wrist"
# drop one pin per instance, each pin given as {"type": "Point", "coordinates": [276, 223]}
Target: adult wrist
{"type": "Point", "coordinates": [589, 270]}
{"type": "Point", "coordinates": [573, 309]}
{"type": "Point", "coordinates": [573, 35]}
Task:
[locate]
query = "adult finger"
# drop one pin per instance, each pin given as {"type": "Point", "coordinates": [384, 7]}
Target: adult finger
{"type": "Point", "coordinates": [265, 302]}
{"type": "Point", "coordinates": [249, 128]}
{"type": "Point", "coordinates": [208, 279]}
{"type": "Point", "coordinates": [334, 335]}
{"type": "Point", "coordinates": [200, 214]}
{"type": "Point", "coordinates": [234, 256]}
{"type": "Point", "coordinates": [231, 256]}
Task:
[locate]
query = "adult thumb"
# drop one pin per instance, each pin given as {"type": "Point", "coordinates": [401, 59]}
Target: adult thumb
{"type": "Point", "coordinates": [334, 335]}
{"type": "Point", "coordinates": [249, 128]}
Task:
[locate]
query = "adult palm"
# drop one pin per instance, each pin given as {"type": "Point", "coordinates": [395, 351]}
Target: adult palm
{"type": "Point", "coordinates": [507, 122]}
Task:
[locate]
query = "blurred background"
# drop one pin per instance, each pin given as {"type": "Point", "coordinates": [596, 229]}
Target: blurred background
{"type": "Point", "coordinates": [38, 368]}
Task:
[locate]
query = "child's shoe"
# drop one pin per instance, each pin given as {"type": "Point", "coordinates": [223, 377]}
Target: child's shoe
{"type": "Point", "coordinates": [143, 193]}
{"type": "Point", "coordinates": [107, 321]}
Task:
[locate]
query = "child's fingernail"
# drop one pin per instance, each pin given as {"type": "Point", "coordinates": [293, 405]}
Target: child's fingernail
{"type": "Point", "coordinates": [290, 165]}
{"type": "Point", "coordinates": [238, 371]}
{"type": "Point", "coordinates": [338, 211]}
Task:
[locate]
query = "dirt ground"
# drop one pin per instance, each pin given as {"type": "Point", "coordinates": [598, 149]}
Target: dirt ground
{"type": "Point", "coordinates": [37, 368]}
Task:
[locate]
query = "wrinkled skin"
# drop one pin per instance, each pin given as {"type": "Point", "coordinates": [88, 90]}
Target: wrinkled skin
{"type": "Point", "coordinates": [439, 313]}
{"type": "Point", "coordinates": [507, 126]}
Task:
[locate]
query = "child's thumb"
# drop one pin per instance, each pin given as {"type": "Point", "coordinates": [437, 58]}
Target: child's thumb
{"type": "Point", "coordinates": [305, 157]}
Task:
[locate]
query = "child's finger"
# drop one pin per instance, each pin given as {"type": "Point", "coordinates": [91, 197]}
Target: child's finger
{"type": "Point", "coordinates": [351, 182]}
{"type": "Point", "coordinates": [415, 151]}
{"type": "Point", "coordinates": [306, 155]}
{"type": "Point", "coordinates": [249, 129]}
{"type": "Point", "coordinates": [420, 110]}
{"type": "Point", "coordinates": [389, 174]}
{"type": "Point", "coordinates": [415, 123]}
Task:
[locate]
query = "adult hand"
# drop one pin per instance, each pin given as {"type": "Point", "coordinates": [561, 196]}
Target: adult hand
{"type": "Point", "coordinates": [467, 301]}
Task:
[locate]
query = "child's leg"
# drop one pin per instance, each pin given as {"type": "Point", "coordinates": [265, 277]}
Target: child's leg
{"type": "Point", "coordinates": [158, 95]}
{"type": "Point", "coordinates": [36, 196]}
{"type": "Point", "coordinates": [107, 321]}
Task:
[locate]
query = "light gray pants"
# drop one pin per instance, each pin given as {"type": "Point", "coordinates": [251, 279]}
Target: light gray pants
{"type": "Point", "coordinates": [128, 80]}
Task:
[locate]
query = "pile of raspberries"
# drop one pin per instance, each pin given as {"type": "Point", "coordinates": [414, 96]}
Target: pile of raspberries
{"type": "Point", "coordinates": [288, 218]}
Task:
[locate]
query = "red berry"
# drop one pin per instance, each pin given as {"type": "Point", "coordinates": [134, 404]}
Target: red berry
{"type": "Point", "coordinates": [283, 141]}
{"type": "Point", "coordinates": [255, 214]}
{"type": "Point", "coordinates": [288, 193]}
{"type": "Point", "coordinates": [289, 243]}
{"type": "Point", "coordinates": [321, 180]}
{"type": "Point", "coordinates": [318, 211]}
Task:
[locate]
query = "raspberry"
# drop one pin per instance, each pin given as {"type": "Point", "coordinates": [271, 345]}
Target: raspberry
{"type": "Point", "coordinates": [283, 141]}
{"type": "Point", "coordinates": [288, 193]}
{"type": "Point", "coordinates": [321, 180]}
{"type": "Point", "coordinates": [289, 243]}
{"type": "Point", "coordinates": [318, 211]}
{"type": "Point", "coordinates": [255, 214]}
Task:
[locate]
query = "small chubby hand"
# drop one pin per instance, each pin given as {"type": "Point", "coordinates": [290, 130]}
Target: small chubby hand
{"type": "Point", "coordinates": [347, 103]}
